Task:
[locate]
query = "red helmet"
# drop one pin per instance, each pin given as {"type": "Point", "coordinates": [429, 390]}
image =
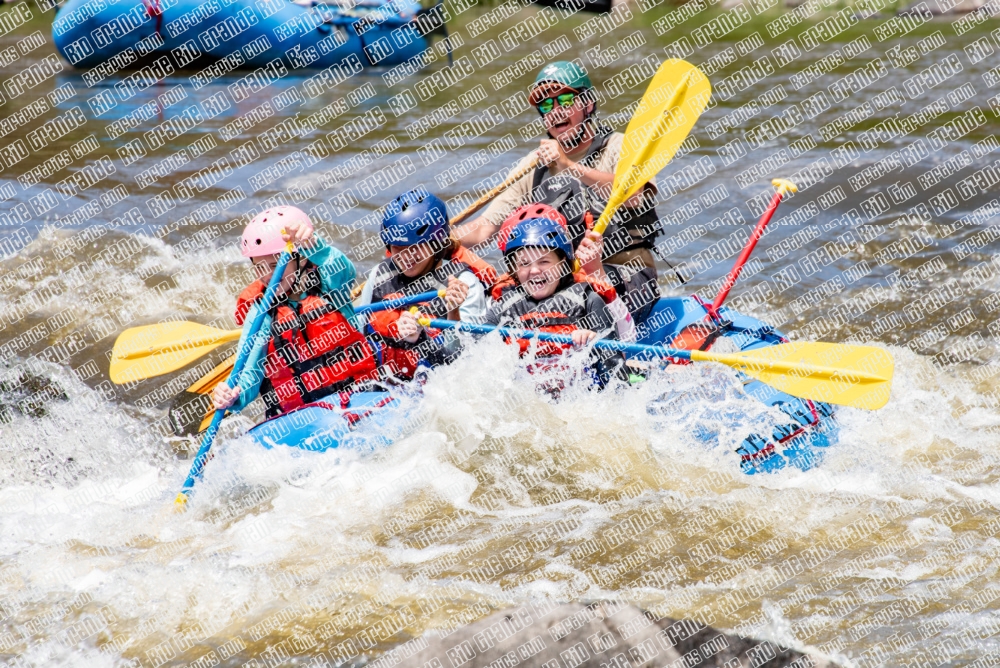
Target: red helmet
{"type": "Point", "coordinates": [524, 213]}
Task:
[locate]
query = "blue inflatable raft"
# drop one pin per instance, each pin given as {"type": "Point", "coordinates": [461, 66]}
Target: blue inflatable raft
{"type": "Point", "coordinates": [362, 421]}
{"type": "Point", "coordinates": [369, 420]}
{"type": "Point", "coordinates": [810, 428]}
{"type": "Point", "coordinates": [224, 35]}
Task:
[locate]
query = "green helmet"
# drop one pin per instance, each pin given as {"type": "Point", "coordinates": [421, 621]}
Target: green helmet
{"type": "Point", "coordinates": [561, 73]}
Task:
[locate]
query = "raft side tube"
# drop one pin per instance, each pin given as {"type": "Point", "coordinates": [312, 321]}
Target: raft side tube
{"type": "Point", "coordinates": [249, 34]}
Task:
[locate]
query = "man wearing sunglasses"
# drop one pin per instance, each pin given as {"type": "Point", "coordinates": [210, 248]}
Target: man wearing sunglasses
{"type": "Point", "coordinates": [576, 170]}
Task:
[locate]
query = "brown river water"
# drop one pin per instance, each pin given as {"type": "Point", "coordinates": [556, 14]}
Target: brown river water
{"type": "Point", "coordinates": [885, 554]}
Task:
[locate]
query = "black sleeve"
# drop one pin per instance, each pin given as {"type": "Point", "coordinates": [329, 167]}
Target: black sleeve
{"type": "Point", "coordinates": [607, 364]}
{"type": "Point", "coordinates": [597, 318]}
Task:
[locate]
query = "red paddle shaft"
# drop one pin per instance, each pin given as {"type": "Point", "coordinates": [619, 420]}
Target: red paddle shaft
{"type": "Point", "coordinates": [783, 187]}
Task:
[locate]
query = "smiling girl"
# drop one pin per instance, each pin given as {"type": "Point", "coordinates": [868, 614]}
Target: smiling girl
{"type": "Point", "coordinates": [308, 346]}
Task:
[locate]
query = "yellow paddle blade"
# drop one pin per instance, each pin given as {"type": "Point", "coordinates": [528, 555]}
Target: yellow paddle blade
{"type": "Point", "coordinates": [207, 383]}
{"type": "Point", "coordinates": [191, 410]}
{"type": "Point", "coordinates": [858, 376]}
{"type": "Point", "coordinates": [153, 350]}
{"type": "Point", "coordinates": [673, 101]}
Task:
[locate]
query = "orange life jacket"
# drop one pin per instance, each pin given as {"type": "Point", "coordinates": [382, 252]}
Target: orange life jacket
{"type": "Point", "coordinates": [400, 359]}
{"type": "Point", "coordinates": [313, 352]}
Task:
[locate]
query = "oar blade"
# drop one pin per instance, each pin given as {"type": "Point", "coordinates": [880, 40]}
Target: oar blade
{"type": "Point", "coordinates": [207, 383]}
{"type": "Point", "coordinates": [128, 365]}
{"type": "Point", "coordinates": [845, 375]}
{"type": "Point", "coordinates": [191, 410]}
{"type": "Point", "coordinates": [674, 99]}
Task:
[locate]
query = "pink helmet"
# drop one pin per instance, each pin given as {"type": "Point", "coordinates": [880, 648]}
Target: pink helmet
{"type": "Point", "coordinates": [262, 235]}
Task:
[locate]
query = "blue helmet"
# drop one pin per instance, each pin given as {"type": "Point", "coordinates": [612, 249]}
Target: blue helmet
{"type": "Point", "coordinates": [415, 217]}
{"type": "Point", "coordinates": [539, 233]}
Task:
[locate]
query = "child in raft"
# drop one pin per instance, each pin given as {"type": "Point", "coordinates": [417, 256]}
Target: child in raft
{"type": "Point", "coordinates": [546, 290]}
{"type": "Point", "coordinates": [587, 253]}
{"type": "Point", "coordinates": [421, 255]}
{"type": "Point", "coordinates": [309, 346]}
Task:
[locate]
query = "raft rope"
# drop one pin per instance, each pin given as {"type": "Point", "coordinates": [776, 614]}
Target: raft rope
{"type": "Point", "coordinates": [770, 448]}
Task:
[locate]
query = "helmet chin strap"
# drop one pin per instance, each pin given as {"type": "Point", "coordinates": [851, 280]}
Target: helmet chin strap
{"type": "Point", "coordinates": [296, 288]}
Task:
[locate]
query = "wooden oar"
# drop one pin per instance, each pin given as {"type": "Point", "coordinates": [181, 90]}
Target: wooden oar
{"type": "Point", "coordinates": [672, 103]}
{"type": "Point", "coordinates": [507, 183]}
{"type": "Point", "coordinates": [847, 375]}
{"type": "Point", "coordinates": [234, 377]}
{"type": "Point", "coordinates": [153, 350]}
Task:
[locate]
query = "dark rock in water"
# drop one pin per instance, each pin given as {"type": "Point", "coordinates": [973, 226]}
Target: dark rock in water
{"type": "Point", "coordinates": [577, 635]}
{"type": "Point", "coordinates": [28, 394]}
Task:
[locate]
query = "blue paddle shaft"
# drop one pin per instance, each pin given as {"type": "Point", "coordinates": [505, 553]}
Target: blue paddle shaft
{"type": "Point", "coordinates": [401, 302]}
{"type": "Point", "coordinates": [234, 375]}
{"type": "Point", "coordinates": [637, 349]}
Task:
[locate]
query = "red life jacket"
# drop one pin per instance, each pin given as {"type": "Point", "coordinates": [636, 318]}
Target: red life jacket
{"type": "Point", "coordinates": [390, 283]}
{"type": "Point", "coordinates": [313, 352]}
